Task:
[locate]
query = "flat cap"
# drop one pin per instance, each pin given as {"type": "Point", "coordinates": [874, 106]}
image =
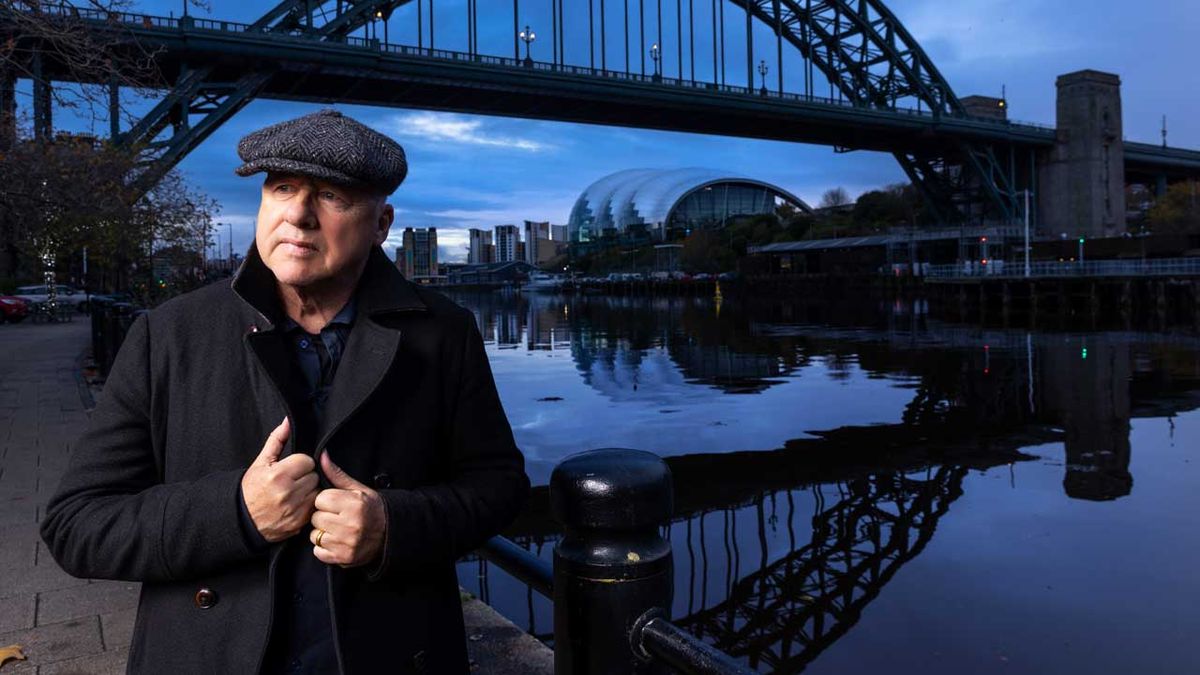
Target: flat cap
{"type": "Point", "coordinates": [326, 145]}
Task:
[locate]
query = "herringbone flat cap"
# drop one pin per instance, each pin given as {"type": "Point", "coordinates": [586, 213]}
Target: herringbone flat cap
{"type": "Point", "coordinates": [326, 145]}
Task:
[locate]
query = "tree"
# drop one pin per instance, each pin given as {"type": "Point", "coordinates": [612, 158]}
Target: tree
{"type": "Point", "coordinates": [707, 251]}
{"type": "Point", "coordinates": [1177, 211]}
{"type": "Point", "coordinates": [65, 192]}
{"type": "Point", "coordinates": [72, 192]}
{"type": "Point", "coordinates": [89, 61]}
{"type": "Point", "coordinates": [834, 198]}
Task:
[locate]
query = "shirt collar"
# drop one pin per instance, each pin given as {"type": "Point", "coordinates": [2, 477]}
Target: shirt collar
{"type": "Point", "coordinates": [344, 317]}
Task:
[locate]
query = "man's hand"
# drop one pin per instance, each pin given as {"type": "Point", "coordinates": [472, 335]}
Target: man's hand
{"type": "Point", "coordinates": [351, 517]}
{"type": "Point", "coordinates": [279, 494]}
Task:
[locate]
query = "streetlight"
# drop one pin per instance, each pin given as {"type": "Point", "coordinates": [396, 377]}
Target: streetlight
{"type": "Point", "coordinates": [1027, 195]}
{"type": "Point", "coordinates": [527, 36]}
{"type": "Point", "coordinates": [762, 70]}
{"type": "Point", "coordinates": [654, 55]}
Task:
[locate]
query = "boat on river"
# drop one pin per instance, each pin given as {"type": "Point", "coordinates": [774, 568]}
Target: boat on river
{"type": "Point", "coordinates": [542, 282]}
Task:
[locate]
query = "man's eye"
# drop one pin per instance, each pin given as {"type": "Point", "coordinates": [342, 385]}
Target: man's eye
{"type": "Point", "coordinates": [283, 187]}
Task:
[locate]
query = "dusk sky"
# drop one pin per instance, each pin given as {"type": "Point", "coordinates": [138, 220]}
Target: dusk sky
{"type": "Point", "coordinates": [476, 171]}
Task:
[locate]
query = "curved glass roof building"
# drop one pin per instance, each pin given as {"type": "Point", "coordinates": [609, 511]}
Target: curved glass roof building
{"type": "Point", "coordinates": [666, 200]}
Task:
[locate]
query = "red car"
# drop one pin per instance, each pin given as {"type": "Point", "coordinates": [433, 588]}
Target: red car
{"type": "Point", "coordinates": [12, 309]}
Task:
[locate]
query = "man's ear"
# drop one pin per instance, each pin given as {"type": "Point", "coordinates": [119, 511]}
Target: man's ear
{"type": "Point", "coordinates": [387, 214]}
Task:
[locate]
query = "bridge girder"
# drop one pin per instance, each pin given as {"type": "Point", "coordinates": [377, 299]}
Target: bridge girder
{"type": "Point", "coordinates": [850, 42]}
{"type": "Point", "coordinates": [194, 93]}
{"type": "Point", "coordinates": [816, 594]}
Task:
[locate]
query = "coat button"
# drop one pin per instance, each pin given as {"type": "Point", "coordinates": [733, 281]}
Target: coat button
{"type": "Point", "coordinates": [383, 481]}
{"type": "Point", "coordinates": [205, 598]}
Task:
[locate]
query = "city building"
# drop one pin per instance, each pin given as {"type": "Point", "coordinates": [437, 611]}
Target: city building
{"type": "Point", "coordinates": [481, 249]}
{"type": "Point", "coordinates": [490, 274]}
{"type": "Point", "coordinates": [538, 247]}
{"type": "Point", "coordinates": [507, 238]}
{"type": "Point", "coordinates": [558, 233]}
{"type": "Point", "coordinates": [420, 254]}
{"type": "Point", "coordinates": [667, 203]}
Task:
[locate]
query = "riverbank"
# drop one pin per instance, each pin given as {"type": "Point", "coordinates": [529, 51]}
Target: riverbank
{"type": "Point", "coordinates": [81, 626]}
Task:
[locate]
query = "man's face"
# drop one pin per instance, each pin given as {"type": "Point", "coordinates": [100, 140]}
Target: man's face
{"type": "Point", "coordinates": [310, 231]}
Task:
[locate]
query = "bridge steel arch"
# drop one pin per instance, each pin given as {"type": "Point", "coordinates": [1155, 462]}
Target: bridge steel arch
{"type": "Point", "coordinates": [860, 46]}
{"type": "Point", "coordinates": [864, 51]}
{"type": "Point", "coordinates": [195, 92]}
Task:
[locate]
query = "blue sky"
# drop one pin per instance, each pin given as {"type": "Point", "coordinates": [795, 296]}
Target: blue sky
{"type": "Point", "coordinates": [476, 171]}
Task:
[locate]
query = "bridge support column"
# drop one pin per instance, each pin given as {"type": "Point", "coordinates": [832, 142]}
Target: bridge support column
{"type": "Point", "coordinates": [8, 109]}
{"type": "Point", "coordinates": [1082, 184]}
{"type": "Point", "coordinates": [1125, 303]}
{"type": "Point", "coordinates": [1005, 303]}
{"type": "Point", "coordinates": [114, 110]}
{"type": "Point", "coordinates": [42, 127]}
{"type": "Point", "coordinates": [1093, 301]}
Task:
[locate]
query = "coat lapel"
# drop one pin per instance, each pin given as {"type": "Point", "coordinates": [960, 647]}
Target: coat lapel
{"type": "Point", "coordinates": [370, 351]}
{"type": "Point", "coordinates": [368, 358]}
{"type": "Point", "coordinates": [273, 354]}
{"type": "Point", "coordinates": [372, 347]}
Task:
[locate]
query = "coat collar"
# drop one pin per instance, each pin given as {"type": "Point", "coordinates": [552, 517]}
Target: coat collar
{"type": "Point", "coordinates": [381, 289]}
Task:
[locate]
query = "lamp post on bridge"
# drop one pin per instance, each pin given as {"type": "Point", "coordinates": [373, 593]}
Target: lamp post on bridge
{"type": "Point", "coordinates": [527, 36]}
{"type": "Point", "coordinates": [655, 56]}
{"type": "Point", "coordinates": [762, 71]}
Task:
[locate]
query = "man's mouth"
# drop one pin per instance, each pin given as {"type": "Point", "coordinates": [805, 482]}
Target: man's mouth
{"type": "Point", "coordinates": [298, 244]}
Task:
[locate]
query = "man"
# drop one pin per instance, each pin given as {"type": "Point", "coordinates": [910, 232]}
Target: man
{"type": "Point", "coordinates": [330, 546]}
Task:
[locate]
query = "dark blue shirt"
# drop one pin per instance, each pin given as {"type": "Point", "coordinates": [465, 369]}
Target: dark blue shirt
{"type": "Point", "coordinates": [301, 638]}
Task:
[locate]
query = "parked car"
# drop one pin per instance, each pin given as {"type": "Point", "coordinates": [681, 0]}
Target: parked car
{"type": "Point", "coordinates": [68, 296]}
{"type": "Point", "coordinates": [110, 299]}
{"type": "Point", "coordinates": [13, 309]}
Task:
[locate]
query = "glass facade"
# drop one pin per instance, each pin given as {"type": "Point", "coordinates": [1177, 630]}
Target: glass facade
{"type": "Point", "coordinates": [660, 201]}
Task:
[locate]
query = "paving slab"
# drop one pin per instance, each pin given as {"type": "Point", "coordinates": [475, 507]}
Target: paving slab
{"type": "Point", "coordinates": [57, 641]}
{"type": "Point", "coordinates": [104, 663]}
{"type": "Point", "coordinates": [92, 599]}
{"type": "Point", "coordinates": [117, 628]}
{"type": "Point", "coordinates": [17, 612]}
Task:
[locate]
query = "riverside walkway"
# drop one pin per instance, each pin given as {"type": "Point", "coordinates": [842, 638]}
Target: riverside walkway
{"type": "Point", "coordinates": [79, 626]}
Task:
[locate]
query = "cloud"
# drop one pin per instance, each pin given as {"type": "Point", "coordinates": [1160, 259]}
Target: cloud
{"type": "Point", "coordinates": [971, 31]}
{"type": "Point", "coordinates": [431, 126]}
{"type": "Point", "coordinates": [452, 244]}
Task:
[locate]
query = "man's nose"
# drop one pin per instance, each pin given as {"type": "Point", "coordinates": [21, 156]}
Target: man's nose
{"type": "Point", "coordinates": [300, 212]}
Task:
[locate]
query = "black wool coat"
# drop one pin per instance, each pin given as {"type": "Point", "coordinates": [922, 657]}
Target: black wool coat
{"type": "Point", "coordinates": [151, 492]}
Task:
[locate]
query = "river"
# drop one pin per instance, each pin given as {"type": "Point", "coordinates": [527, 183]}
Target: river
{"type": "Point", "coordinates": [861, 486]}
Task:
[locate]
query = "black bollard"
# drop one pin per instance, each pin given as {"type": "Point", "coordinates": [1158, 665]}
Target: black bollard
{"type": "Point", "coordinates": [99, 316]}
{"type": "Point", "coordinates": [611, 568]}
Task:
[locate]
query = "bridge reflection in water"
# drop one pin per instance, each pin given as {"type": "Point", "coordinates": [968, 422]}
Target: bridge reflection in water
{"type": "Point", "coordinates": [779, 552]}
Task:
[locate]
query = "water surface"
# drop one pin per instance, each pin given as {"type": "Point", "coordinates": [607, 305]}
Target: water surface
{"type": "Point", "coordinates": [860, 486]}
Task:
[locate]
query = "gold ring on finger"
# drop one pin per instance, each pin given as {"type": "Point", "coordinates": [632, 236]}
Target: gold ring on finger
{"type": "Point", "coordinates": [320, 533]}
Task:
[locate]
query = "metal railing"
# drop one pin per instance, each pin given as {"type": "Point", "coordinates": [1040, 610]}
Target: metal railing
{"type": "Point", "coordinates": [611, 583]}
{"type": "Point", "coordinates": [189, 23]}
{"type": "Point", "coordinates": [110, 322]}
{"type": "Point", "coordinates": [1150, 267]}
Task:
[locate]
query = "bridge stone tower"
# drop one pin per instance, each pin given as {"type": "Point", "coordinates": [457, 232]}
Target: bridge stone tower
{"type": "Point", "coordinates": [1082, 180]}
